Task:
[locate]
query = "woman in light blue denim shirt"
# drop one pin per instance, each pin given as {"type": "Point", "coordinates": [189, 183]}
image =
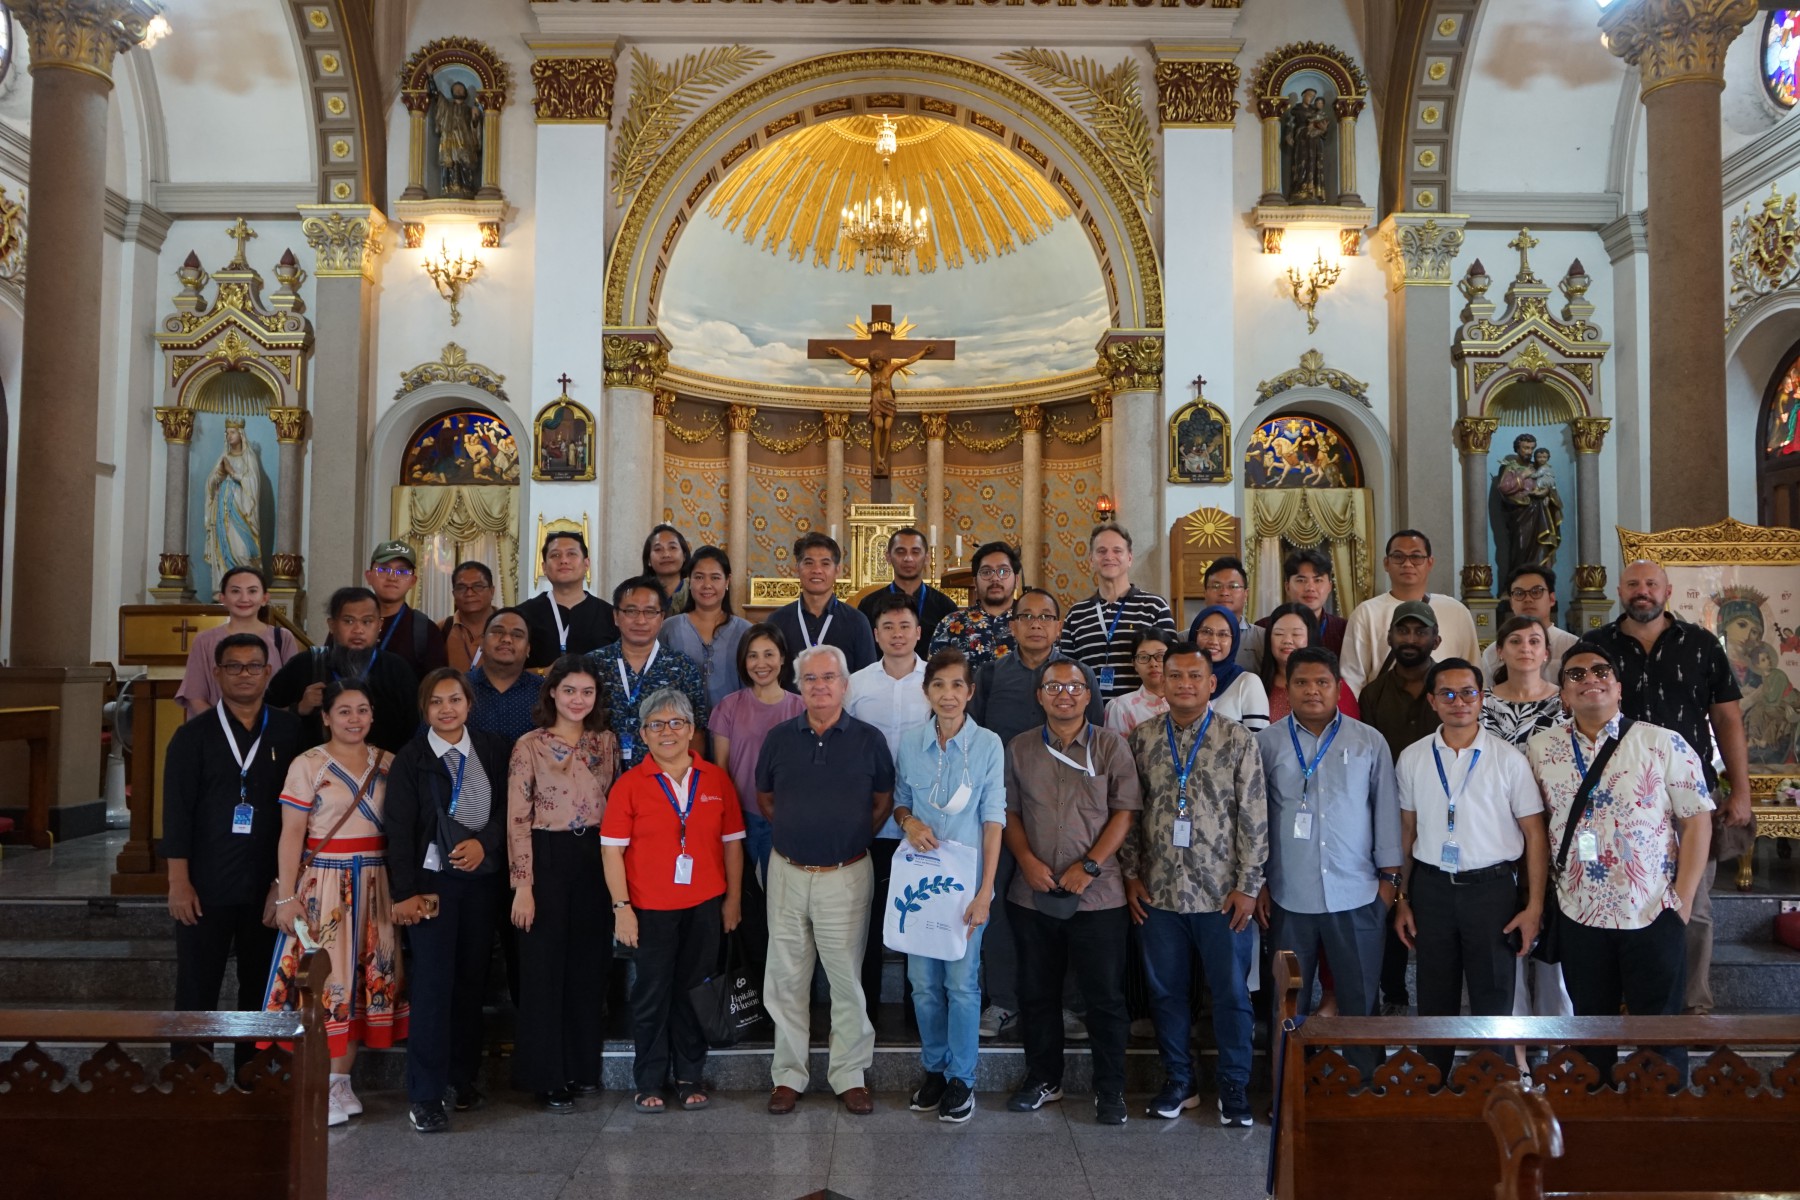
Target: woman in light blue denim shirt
{"type": "Point", "coordinates": [950, 786]}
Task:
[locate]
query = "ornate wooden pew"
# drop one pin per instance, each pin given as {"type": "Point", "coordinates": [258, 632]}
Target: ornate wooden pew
{"type": "Point", "coordinates": [1735, 1127]}
{"type": "Point", "coordinates": [117, 1131]}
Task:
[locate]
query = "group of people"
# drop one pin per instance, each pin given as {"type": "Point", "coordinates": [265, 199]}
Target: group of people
{"type": "Point", "coordinates": [655, 772]}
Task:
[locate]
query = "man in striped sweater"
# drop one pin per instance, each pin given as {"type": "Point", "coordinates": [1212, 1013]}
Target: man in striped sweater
{"type": "Point", "coordinates": [1098, 629]}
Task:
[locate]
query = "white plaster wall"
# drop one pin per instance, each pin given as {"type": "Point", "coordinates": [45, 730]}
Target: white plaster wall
{"type": "Point", "coordinates": [235, 106]}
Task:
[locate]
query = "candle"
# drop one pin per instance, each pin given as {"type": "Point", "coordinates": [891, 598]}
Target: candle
{"type": "Point", "coordinates": [834, 531]}
{"type": "Point", "coordinates": [959, 548]}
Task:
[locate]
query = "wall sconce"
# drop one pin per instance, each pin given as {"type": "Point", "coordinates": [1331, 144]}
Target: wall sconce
{"type": "Point", "coordinates": [1105, 512]}
{"type": "Point", "coordinates": [451, 275]}
{"type": "Point", "coordinates": [1307, 288]}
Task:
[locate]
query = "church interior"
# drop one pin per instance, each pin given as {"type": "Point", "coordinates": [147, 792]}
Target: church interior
{"type": "Point", "coordinates": [1243, 277]}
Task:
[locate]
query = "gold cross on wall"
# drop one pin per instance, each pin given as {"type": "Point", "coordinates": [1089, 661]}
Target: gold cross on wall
{"type": "Point", "coordinates": [240, 233]}
{"type": "Point", "coordinates": [1522, 243]}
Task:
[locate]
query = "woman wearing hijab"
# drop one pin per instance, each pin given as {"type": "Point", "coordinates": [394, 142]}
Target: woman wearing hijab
{"type": "Point", "coordinates": [1237, 693]}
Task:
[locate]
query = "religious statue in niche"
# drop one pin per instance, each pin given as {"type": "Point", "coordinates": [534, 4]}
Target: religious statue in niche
{"type": "Point", "coordinates": [1305, 128]}
{"type": "Point", "coordinates": [565, 443]}
{"type": "Point", "coordinates": [469, 447]}
{"type": "Point", "coordinates": [456, 123]}
{"type": "Point", "coordinates": [1199, 434]}
{"type": "Point", "coordinates": [232, 490]}
{"type": "Point", "coordinates": [1299, 452]}
{"type": "Point", "coordinates": [1531, 505]}
{"type": "Point", "coordinates": [1784, 422]}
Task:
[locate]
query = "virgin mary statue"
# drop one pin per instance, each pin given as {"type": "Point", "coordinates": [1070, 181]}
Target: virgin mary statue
{"type": "Point", "coordinates": [232, 488]}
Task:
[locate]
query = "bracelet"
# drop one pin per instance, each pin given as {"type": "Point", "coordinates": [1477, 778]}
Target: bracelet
{"type": "Point", "coordinates": [289, 900]}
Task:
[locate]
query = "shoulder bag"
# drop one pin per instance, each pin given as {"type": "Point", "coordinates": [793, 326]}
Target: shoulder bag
{"type": "Point", "coordinates": [1549, 943]}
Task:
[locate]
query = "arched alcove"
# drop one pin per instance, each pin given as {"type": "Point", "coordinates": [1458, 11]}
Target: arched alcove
{"type": "Point", "coordinates": [1757, 352]}
{"type": "Point", "coordinates": [1778, 447]}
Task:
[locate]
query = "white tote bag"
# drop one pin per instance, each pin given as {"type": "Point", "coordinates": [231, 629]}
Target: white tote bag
{"type": "Point", "coordinates": [928, 890]}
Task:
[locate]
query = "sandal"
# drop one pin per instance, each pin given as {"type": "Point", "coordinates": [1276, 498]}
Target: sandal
{"type": "Point", "coordinates": [643, 1103]}
{"type": "Point", "coordinates": [692, 1096]}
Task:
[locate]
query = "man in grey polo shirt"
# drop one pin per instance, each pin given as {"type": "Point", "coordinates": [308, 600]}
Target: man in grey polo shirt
{"type": "Point", "coordinates": [825, 783]}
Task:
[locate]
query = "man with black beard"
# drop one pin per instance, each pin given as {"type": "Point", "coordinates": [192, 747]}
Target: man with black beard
{"type": "Point", "coordinates": [354, 624]}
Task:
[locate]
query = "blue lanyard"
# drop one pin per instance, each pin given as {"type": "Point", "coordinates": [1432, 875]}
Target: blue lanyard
{"type": "Point", "coordinates": [248, 760]}
{"type": "Point", "coordinates": [1581, 763]}
{"type": "Point", "coordinates": [1445, 780]}
{"type": "Point", "coordinates": [923, 587]}
{"type": "Point", "coordinates": [1306, 770]}
{"type": "Point", "coordinates": [1184, 769]}
{"type": "Point", "coordinates": [456, 787]}
{"type": "Point", "coordinates": [1100, 609]}
{"type": "Point", "coordinates": [392, 625]}
{"type": "Point", "coordinates": [693, 789]}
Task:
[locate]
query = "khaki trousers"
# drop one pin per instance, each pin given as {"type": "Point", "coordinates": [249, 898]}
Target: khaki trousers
{"type": "Point", "coordinates": [818, 917]}
{"type": "Point", "coordinates": [1699, 937]}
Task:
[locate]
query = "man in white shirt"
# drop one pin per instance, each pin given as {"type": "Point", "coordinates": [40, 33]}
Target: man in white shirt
{"type": "Point", "coordinates": [1469, 809]}
{"type": "Point", "coordinates": [890, 695]}
{"type": "Point", "coordinates": [1531, 591]}
{"type": "Point", "coordinates": [1408, 564]}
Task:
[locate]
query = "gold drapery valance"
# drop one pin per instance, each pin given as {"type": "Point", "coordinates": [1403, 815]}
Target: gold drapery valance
{"type": "Point", "coordinates": [466, 514]}
{"type": "Point", "coordinates": [1335, 517]}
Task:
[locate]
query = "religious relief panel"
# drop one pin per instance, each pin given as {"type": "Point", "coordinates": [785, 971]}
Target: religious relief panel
{"type": "Point", "coordinates": [470, 446]}
{"type": "Point", "coordinates": [564, 443]}
{"type": "Point", "coordinates": [1199, 443]}
{"type": "Point", "coordinates": [1300, 452]}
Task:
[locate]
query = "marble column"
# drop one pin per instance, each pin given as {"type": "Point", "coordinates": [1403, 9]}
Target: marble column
{"type": "Point", "coordinates": [737, 499]}
{"type": "Point", "coordinates": [172, 568]}
{"type": "Point", "coordinates": [1627, 242]}
{"type": "Point", "coordinates": [837, 428]}
{"type": "Point", "coordinates": [1474, 436]}
{"type": "Point", "coordinates": [661, 405]}
{"type": "Point", "coordinates": [290, 495]}
{"type": "Point", "coordinates": [1591, 605]}
{"type": "Point", "coordinates": [1031, 490]}
{"type": "Point", "coordinates": [347, 240]}
{"type": "Point", "coordinates": [937, 427]}
{"type": "Point", "coordinates": [1679, 49]}
{"type": "Point", "coordinates": [1421, 250]}
{"type": "Point", "coordinates": [1131, 361]}
{"type": "Point", "coordinates": [1102, 401]}
{"type": "Point", "coordinates": [634, 361]}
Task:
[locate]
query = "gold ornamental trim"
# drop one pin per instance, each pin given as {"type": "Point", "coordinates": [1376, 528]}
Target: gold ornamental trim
{"type": "Point", "coordinates": [1474, 435]}
{"type": "Point", "coordinates": [452, 366]}
{"type": "Point", "coordinates": [1765, 253]}
{"type": "Point", "coordinates": [83, 35]}
{"type": "Point", "coordinates": [491, 71]}
{"type": "Point", "coordinates": [1110, 100]}
{"type": "Point", "coordinates": [290, 425]}
{"type": "Point", "coordinates": [935, 424]}
{"type": "Point", "coordinates": [692, 435]}
{"type": "Point", "coordinates": [1030, 417]}
{"type": "Point", "coordinates": [177, 425]}
{"type": "Point", "coordinates": [740, 417]}
{"type": "Point", "coordinates": [1131, 362]}
{"type": "Point", "coordinates": [1197, 93]}
{"type": "Point", "coordinates": [1675, 41]}
{"type": "Point", "coordinates": [632, 265]}
{"type": "Point", "coordinates": [662, 403]}
{"type": "Point", "coordinates": [635, 360]}
{"type": "Point", "coordinates": [1420, 253]}
{"type": "Point", "coordinates": [347, 238]}
{"type": "Point", "coordinates": [1280, 64]}
{"type": "Point", "coordinates": [573, 91]}
{"type": "Point", "coordinates": [1728, 543]}
{"type": "Point", "coordinates": [173, 568]}
{"type": "Point", "coordinates": [837, 426]}
{"type": "Point", "coordinates": [1590, 578]}
{"type": "Point", "coordinates": [1589, 433]}
{"type": "Point", "coordinates": [662, 99]}
{"type": "Point", "coordinates": [1312, 372]}
{"type": "Point", "coordinates": [1051, 389]}
{"type": "Point", "coordinates": [1101, 399]}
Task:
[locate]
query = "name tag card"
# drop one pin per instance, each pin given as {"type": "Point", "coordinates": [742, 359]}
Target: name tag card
{"type": "Point", "coordinates": [1587, 846]}
{"type": "Point", "coordinates": [684, 869]}
{"type": "Point", "coordinates": [1303, 825]}
{"type": "Point", "coordinates": [241, 818]}
{"type": "Point", "coordinates": [1184, 833]}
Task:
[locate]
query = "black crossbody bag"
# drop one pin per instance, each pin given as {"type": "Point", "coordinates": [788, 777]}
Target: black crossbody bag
{"type": "Point", "coordinates": [1549, 943]}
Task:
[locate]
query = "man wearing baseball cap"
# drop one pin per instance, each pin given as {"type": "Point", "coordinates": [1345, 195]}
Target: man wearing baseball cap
{"type": "Point", "coordinates": [406, 633]}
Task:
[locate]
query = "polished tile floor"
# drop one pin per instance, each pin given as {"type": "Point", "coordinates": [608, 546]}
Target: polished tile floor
{"type": "Point", "coordinates": [736, 1151]}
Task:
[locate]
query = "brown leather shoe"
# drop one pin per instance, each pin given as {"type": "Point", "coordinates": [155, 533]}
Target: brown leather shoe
{"type": "Point", "coordinates": [782, 1101]}
{"type": "Point", "coordinates": [858, 1101]}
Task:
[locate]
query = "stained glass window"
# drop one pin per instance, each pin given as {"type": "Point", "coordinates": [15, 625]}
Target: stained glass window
{"type": "Point", "coordinates": [1781, 429]}
{"type": "Point", "coordinates": [1297, 452]}
{"type": "Point", "coordinates": [1780, 49]}
{"type": "Point", "coordinates": [468, 446]}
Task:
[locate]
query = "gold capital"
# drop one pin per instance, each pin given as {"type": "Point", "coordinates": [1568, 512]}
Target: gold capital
{"type": "Point", "coordinates": [936, 425]}
{"type": "Point", "coordinates": [347, 238]}
{"type": "Point", "coordinates": [290, 424]}
{"type": "Point", "coordinates": [1675, 41]}
{"type": "Point", "coordinates": [1473, 435]}
{"type": "Point", "coordinates": [1196, 93]}
{"type": "Point", "coordinates": [574, 90]}
{"type": "Point", "coordinates": [1101, 399]}
{"type": "Point", "coordinates": [177, 424]}
{"type": "Point", "coordinates": [739, 416]}
{"type": "Point", "coordinates": [1131, 361]}
{"type": "Point", "coordinates": [663, 402]}
{"type": "Point", "coordinates": [1420, 251]}
{"type": "Point", "coordinates": [634, 359]}
{"type": "Point", "coordinates": [1031, 417]}
{"type": "Point", "coordinates": [837, 425]}
{"type": "Point", "coordinates": [1589, 433]}
{"type": "Point", "coordinates": [83, 35]}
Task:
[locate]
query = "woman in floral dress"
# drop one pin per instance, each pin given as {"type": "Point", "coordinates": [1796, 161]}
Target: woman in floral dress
{"type": "Point", "coordinates": [337, 901]}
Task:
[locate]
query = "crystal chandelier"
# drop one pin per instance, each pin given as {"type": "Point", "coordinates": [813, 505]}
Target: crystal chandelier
{"type": "Point", "coordinates": [885, 228]}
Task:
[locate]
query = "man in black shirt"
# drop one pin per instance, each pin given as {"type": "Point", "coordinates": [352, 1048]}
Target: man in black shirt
{"type": "Point", "coordinates": [222, 778]}
{"type": "Point", "coordinates": [406, 633]}
{"type": "Point", "coordinates": [818, 617]}
{"type": "Point", "coordinates": [351, 653]}
{"type": "Point", "coordinates": [568, 619]}
{"type": "Point", "coordinates": [908, 552]}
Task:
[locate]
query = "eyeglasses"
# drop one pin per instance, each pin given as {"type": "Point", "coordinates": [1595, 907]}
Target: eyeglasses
{"type": "Point", "coordinates": [827, 677]}
{"type": "Point", "coordinates": [1451, 695]}
{"type": "Point", "coordinates": [1057, 688]}
{"type": "Point", "coordinates": [1216, 586]}
{"type": "Point", "coordinates": [1600, 671]}
{"type": "Point", "coordinates": [672, 724]}
{"type": "Point", "coordinates": [1417, 560]}
{"type": "Point", "coordinates": [1536, 593]}
{"type": "Point", "coordinates": [1148, 660]}
{"type": "Point", "coordinates": [394, 572]}
{"type": "Point", "coordinates": [1034, 618]}
{"type": "Point", "coordinates": [994, 573]}
{"type": "Point", "coordinates": [642, 614]}
{"type": "Point", "coordinates": [507, 635]}
{"type": "Point", "coordinates": [1212, 635]}
{"type": "Point", "coordinates": [468, 589]}
{"type": "Point", "coordinates": [238, 668]}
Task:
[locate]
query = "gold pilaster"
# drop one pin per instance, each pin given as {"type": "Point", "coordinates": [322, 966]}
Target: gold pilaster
{"type": "Point", "coordinates": [347, 238]}
{"type": "Point", "coordinates": [177, 424]}
{"type": "Point", "coordinates": [1422, 247]}
{"type": "Point", "coordinates": [1474, 435]}
{"type": "Point", "coordinates": [290, 425]}
{"type": "Point", "coordinates": [1589, 433]}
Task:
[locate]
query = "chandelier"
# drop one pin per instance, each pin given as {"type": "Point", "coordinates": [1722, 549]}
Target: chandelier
{"type": "Point", "coordinates": [885, 228]}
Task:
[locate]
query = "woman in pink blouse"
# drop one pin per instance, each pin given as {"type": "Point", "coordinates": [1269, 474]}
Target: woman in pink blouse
{"type": "Point", "coordinates": [555, 796]}
{"type": "Point", "coordinates": [243, 592]}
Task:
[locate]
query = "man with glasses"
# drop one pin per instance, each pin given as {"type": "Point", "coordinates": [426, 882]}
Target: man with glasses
{"type": "Point", "coordinates": [1226, 584]}
{"type": "Point", "coordinates": [222, 779]}
{"type": "Point", "coordinates": [1676, 674]}
{"type": "Point", "coordinates": [407, 634]}
{"type": "Point", "coordinates": [1071, 795]}
{"type": "Point", "coordinates": [1408, 563]}
{"type": "Point", "coordinates": [825, 784]}
{"type": "Point", "coordinates": [568, 619]}
{"type": "Point", "coordinates": [1530, 591]}
{"type": "Point", "coordinates": [1469, 811]}
{"type": "Point", "coordinates": [1637, 849]}
{"type": "Point", "coordinates": [637, 665]}
{"type": "Point", "coordinates": [353, 625]}
{"type": "Point", "coordinates": [983, 631]}
{"type": "Point", "coordinates": [1098, 631]}
{"type": "Point", "coordinates": [472, 594]}
{"type": "Point", "coordinates": [818, 617]}
{"type": "Point", "coordinates": [908, 554]}
{"type": "Point", "coordinates": [1306, 579]}
{"type": "Point", "coordinates": [506, 694]}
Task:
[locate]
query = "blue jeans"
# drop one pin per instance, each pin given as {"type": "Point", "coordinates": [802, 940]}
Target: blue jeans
{"type": "Point", "coordinates": [947, 1000]}
{"type": "Point", "coordinates": [759, 843]}
{"type": "Point", "coordinates": [1168, 938]}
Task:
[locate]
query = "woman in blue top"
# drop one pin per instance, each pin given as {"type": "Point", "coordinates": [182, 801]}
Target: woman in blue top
{"type": "Point", "coordinates": [950, 786]}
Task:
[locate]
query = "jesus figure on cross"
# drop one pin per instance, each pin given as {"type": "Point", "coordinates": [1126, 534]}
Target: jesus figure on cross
{"type": "Point", "coordinates": [883, 357]}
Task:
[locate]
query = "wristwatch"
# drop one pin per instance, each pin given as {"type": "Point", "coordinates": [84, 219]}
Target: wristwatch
{"type": "Point", "coordinates": [1090, 866]}
{"type": "Point", "coordinates": [618, 904]}
{"type": "Point", "coordinates": [1392, 877]}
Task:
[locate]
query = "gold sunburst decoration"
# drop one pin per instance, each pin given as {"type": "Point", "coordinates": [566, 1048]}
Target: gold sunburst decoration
{"type": "Point", "coordinates": [982, 199]}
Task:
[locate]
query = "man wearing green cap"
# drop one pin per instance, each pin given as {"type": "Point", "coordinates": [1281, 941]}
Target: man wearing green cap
{"type": "Point", "coordinates": [406, 633]}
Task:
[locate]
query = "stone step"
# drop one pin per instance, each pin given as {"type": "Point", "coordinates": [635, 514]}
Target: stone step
{"type": "Point", "coordinates": [1747, 918]}
{"type": "Point", "coordinates": [1755, 977]}
{"type": "Point", "coordinates": [102, 918]}
{"type": "Point", "coordinates": [131, 973]}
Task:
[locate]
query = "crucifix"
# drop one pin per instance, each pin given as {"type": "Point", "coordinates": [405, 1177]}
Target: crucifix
{"type": "Point", "coordinates": [184, 629]}
{"type": "Point", "coordinates": [564, 381]}
{"type": "Point", "coordinates": [880, 356]}
{"type": "Point", "coordinates": [239, 233]}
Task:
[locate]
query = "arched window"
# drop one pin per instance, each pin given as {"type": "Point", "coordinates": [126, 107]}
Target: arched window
{"type": "Point", "coordinates": [1780, 50]}
{"type": "Point", "coordinates": [1778, 442]}
{"type": "Point", "coordinates": [457, 501]}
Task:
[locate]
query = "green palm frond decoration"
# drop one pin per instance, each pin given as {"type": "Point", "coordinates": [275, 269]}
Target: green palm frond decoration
{"type": "Point", "coordinates": [1112, 104]}
{"type": "Point", "coordinates": [662, 99]}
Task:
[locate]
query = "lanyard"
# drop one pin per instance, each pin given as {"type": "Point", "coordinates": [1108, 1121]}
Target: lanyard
{"type": "Point", "coordinates": [243, 760]}
{"type": "Point", "coordinates": [631, 693]}
{"type": "Point", "coordinates": [1085, 768]}
{"type": "Point", "coordinates": [562, 631]}
{"type": "Point", "coordinates": [392, 625]}
{"type": "Point", "coordinates": [830, 616]}
{"type": "Point", "coordinates": [1445, 780]}
{"type": "Point", "coordinates": [456, 787]}
{"type": "Point", "coordinates": [894, 587]}
{"type": "Point", "coordinates": [1581, 763]}
{"type": "Point", "coordinates": [1100, 616]}
{"type": "Point", "coordinates": [1307, 770]}
{"type": "Point", "coordinates": [681, 813]}
{"type": "Point", "coordinates": [1184, 769]}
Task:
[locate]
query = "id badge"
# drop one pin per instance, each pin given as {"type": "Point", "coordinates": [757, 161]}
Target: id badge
{"type": "Point", "coordinates": [960, 800]}
{"type": "Point", "coordinates": [1587, 846]}
{"type": "Point", "coordinates": [684, 868]}
{"type": "Point", "coordinates": [628, 747]}
{"type": "Point", "coordinates": [1184, 833]}
{"type": "Point", "coordinates": [1303, 825]}
{"type": "Point", "coordinates": [241, 816]}
{"type": "Point", "coordinates": [1450, 856]}
{"type": "Point", "coordinates": [434, 858]}
{"type": "Point", "coordinates": [1105, 677]}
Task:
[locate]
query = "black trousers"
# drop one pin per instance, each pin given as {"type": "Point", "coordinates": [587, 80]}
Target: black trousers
{"type": "Point", "coordinates": [1094, 944]}
{"type": "Point", "coordinates": [1393, 965]}
{"type": "Point", "coordinates": [446, 983]}
{"type": "Point", "coordinates": [201, 951]}
{"type": "Point", "coordinates": [563, 961]}
{"type": "Point", "coordinates": [1460, 940]}
{"type": "Point", "coordinates": [509, 936]}
{"type": "Point", "coordinates": [881, 857]}
{"type": "Point", "coordinates": [677, 949]}
{"type": "Point", "coordinates": [1643, 969]}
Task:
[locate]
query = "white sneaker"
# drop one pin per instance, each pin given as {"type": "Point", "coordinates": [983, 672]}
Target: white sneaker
{"type": "Point", "coordinates": [334, 1115]}
{"type": "Point", "coordinates": [343, 1097]}
{"type": "Point", "coordinates": [1074, 1029]}
{"type": "Point", "coordinates": [994, 1019]}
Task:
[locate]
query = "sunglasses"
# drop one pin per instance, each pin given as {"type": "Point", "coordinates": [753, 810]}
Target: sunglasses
{"type": "Point", "coordinates": [1600, 671]}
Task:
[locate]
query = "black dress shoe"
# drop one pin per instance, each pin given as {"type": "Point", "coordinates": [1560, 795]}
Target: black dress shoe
{"type": "Point", "coordinates": [583, 1089]}
{"type": "Point", "coordinates": [558, 1101]}
{"type": "Point", "coordinates": [429, 1118]}
{"type": "Point", "coordinates": [465, 1096]}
